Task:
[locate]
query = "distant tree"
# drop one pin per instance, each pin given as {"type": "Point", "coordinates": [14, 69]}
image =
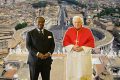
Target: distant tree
{"type": "Point", "coordinates": [24, 24]}
{"type": "Point", "coordinates": [71, 2]}
{"type": "Point", "coordinates": [20, 26]}
{"type": "Point", "coordinates": [39, 4]}
{"type": "Point", "coordinates": [98, 15]}
{"type": "Point", "coordinates": [59, 1]}
{"type": "Point", "coordinates": [108, 11]}
{"type": "Point", "coordinates": [117, 24]}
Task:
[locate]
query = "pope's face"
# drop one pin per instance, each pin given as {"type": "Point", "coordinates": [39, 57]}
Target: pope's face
{"type": "Point", "coordinates": [77, 23]}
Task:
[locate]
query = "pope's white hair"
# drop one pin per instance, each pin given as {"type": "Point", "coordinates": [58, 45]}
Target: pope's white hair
{"type": "Point", "coordinates": [78, 17]}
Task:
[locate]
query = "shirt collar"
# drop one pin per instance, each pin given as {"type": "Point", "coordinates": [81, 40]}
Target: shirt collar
{"type": "Point", "coordinates": [39, 30]}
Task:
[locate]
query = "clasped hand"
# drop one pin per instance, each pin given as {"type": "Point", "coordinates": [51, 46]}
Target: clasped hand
{"type": "Point", "coordinates": [77, 48]}
{"type": "Point", "coordinates": [43, 56]}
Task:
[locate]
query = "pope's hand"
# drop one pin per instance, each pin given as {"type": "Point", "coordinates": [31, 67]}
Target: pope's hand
{"type": "Point", "coordinates": [75, 47]}
{"type": "Point", "coordinates": [78, 49]}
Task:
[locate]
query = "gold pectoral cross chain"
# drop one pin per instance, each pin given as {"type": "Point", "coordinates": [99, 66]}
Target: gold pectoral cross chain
{"type": "Point", "coordinates": [76, 41]}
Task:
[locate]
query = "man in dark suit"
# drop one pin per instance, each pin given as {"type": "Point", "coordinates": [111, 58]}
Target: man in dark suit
{"type": "Point", "coordinates": [40, 44]}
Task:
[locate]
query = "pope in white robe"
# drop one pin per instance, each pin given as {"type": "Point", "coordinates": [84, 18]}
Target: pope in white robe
{"type": "Point", "coordinates": [78, 42]}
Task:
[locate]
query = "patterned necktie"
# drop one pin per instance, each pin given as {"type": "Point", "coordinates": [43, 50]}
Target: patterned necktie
{"type": "Point", "coordinates": [41, 32]}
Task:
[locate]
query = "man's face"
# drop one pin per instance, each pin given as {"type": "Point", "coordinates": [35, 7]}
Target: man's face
{"type": "Point", "coordinates": [77, 23]}
{"type": "Point", "coordinates": [40, 24]}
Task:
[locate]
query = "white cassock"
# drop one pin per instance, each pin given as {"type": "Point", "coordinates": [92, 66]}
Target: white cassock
{"type": "Point", "coordinates": [78, 64]}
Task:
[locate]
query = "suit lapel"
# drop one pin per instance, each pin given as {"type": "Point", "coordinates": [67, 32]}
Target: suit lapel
{"type": "Point", "coordinates": [38, 34]}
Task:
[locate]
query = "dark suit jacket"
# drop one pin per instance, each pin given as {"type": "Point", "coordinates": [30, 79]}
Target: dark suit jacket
{"type": "Point", "coordinates": [35, 42]}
